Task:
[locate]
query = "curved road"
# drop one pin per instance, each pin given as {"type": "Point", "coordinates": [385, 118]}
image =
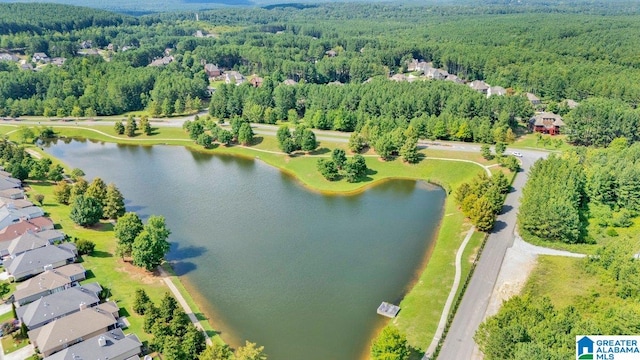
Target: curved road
{"type": "Point", "coordinates": [459, 343]}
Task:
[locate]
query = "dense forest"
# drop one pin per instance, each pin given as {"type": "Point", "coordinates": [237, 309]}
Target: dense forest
{"type": "Point", "coordinates": [558, 53]}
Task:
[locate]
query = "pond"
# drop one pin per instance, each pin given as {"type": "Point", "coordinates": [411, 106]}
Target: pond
{"type": "Point", "coordinates": [269, 261]}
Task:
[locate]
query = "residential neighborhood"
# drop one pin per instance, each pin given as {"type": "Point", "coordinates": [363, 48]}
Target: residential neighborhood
{"type": "Point", "coordinates": [64, 315]}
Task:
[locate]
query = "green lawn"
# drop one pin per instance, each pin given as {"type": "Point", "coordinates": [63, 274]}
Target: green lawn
{"type": "Point", "coordinates": [421, 307]}
{"type": "Point", "coordinates": [6, 317]}
{"type": "Point", "coordinates": [562, 279]}
{"type": "Point", "coordinates": [11, 344]}
{"type": "Point", "coordinates": [547, 142]}
{"type": "Point", "coordinates": [121, 278]}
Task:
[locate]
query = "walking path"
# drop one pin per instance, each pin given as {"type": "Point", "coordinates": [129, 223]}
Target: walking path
{"type": "Point", "coordinates": [187, 309]}
{"type": "Point", "coordinates": [451, 298]}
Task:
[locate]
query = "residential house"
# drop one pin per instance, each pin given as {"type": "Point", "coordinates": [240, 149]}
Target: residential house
{"type": "Point", "coordinates": [256, 81]}
{"type": "Point", "coordinates": [233, 77]}
{"type": "Point", "coordinates": [289, 82]}
{"type": "Point", "coordinates": [16, 203]}
{"type": "Point", "coordinates": [58, 61]}
{"type": "Point", "coordinates": [55, 306]}
{"type": "Point", "coordinates": [436, 74]}
{"type": "Point", "coordinates": [70, 330]}
{"type": "Point", "coordinates": [50, 282]}
{"type": "Point", "coordinates": [110, 307]}
{"type": "Point", "coordinates": [40, 58]}
{"type": "Point", "coordinates": [10, 215]}
{"type": "Point", "coordinates": [399, 77]}
{"type": "Point", "coordinates": [74, 272]}
{"type": "Point", "coordinates": [534, 100]}
{"type": "Point", "coordinates": [212, 70]}
{"type": "Point", "coordinates": [162, 61]}
{"type": "Point", "coordinates": [480, 86]}
{"type": "Point", "coordinates": [412, 65]}
{"type": "Point", "coordinates": [496, 91]}
{"type": "Point", "coordinates": [571, 104]}
{"type": "Point", "coordinates": [88, 52]}
{"type": "Point", "coordinates": [9, 57]}
{"type": "Point", "coordinates": [16, 229]}
{"type": "Point", "coordinates": [112, 345]}
{"type": "Point", "coordinates": [13, 193]}
{"type": "Point", "coordinates": [331, 53]}
{"type": "Point", "coordinates": [455, 79]}
{"type": "Point", "coordinates": [87, 44]}
{"type": "Point", "coordinates": [34, 262]}
{"type": "Point", "coordinates": [26, 66]}
{"type": "Point", "coordinates": [28, 241]}
{"type": "Point", "coordinates": [199, 34]}
{"type": "Point", "coordinates": [7, 183]}
{"type": "Point", "coordinates": [546, 123]}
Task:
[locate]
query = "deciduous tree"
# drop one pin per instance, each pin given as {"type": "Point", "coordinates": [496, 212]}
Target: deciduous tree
{"type": "Point", "coordinates": [128, 227]}
{"type": "Point", "coordinates": [85, 210]}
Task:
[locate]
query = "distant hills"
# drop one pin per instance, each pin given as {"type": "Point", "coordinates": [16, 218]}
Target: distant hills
{"type": "Point", "coordinates": [152, 6]}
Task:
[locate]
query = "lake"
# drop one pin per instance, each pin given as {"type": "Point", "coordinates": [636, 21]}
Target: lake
{"type": "Point", "coordinates": [271, 262]}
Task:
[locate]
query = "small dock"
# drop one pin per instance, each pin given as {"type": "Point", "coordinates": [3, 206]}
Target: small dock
{"type": "Point", "coordinates": [388, 310]}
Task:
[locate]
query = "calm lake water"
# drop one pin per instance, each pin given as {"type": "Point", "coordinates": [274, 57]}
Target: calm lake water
{"type": "Point", "coordinates": [298, 272]}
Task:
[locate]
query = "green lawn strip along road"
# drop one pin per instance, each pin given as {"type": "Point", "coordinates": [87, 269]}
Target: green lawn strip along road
{"type": "Point", "coordinates": [422, 305]}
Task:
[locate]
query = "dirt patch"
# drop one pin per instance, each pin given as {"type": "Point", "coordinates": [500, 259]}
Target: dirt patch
{"type": "Point", "coordinates": [516, 267]}
{"type": "Point", "coordinates": [138, 273]}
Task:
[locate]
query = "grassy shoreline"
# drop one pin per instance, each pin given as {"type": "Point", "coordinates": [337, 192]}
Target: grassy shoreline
{"type": "Point", "coordinates": [425, 296]}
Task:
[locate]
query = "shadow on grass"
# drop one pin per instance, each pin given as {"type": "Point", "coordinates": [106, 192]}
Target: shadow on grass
{"type": "Point", "coordinates": [89, 274]}
{"type": "Point", "coordinates": [257, 140]}
{"type": "Point", "coordinates": [320, 151]}
{"type": "Point", "coordinates": [124, 312]}
{"type": "Point", "coordinates": [102, 227]}
{"type": "Point", "coordinates": [416, 354]}
{"type": "Point", "coordinates": [101, 254]}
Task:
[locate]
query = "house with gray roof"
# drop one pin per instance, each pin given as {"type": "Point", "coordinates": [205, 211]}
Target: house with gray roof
{"type": "Point", "coordinates": [454, 78]}
{"type": "Point", "coordinates": [9, 183]}
{"type": "Point", "coordinates": [436, 74]}
{"type": "Point", "coordinates": [163, 61]}
{"type": "Point", "coordinates": [70, 330]}
{"type": "Point", "coordinates": [496, 91]}
{"type": "Point", "coordinates": [13, 193]}
{"type": "Point", "coordinates": [57, 305]}
{"type": "Point", "coordinates": [9, 57]}
{"type": "Point", "coordinates": [9, 214]}
{"type": "Point", "coordinates": [480, 86]}
{"type": "Point", "coordinates": [16, 203]}
{"type": "Point", "coordinates": [534, 100]}
{"type": "Point", "coordinates": [37, 261]}
{"type": "Point", "coordinates": [40, 57]}
{"type": "Point", "coordinates": [50, 282]}
{"type": "Point", "coordinates": [28, 241]}
{"type": "Point", "coordinates": [112, 345]}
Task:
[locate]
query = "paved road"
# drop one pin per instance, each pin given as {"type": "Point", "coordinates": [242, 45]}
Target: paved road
{"type": "Point", "coordinates": [459, 343]}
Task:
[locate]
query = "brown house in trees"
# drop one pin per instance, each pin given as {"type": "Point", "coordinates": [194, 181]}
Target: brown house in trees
{"type": "Point", "coordinates": [546, 123]}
